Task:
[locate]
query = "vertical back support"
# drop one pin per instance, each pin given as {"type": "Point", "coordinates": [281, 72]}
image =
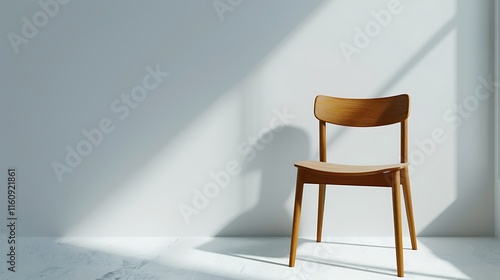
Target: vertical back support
{"type": "Point", "coordinates": [322, 187]}
{"type": "Point", "coordinates": [404, 141]}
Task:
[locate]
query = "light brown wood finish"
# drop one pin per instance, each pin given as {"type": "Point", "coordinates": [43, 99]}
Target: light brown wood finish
{"type": "Point", "coordinates": [321, 211]}
{"type": "Point", "coordinates": [404, 141]}
{"type": "Point", "coordinates": [322, 187]}
{"type": "Point", "coordinates": [396, 206]}
{"type": "Point", "coordinates": [296, 217]}
{"type": "Point", "coordinates": [405, 180]}
{"type": "Point", "coordinates": [409, 207]}
{"type": "Point", "coordinates": [362, 112]}
{"type": "Point", "coordinates": [347, 170]}
{"type": "Point", "coordinates": [358, 113]}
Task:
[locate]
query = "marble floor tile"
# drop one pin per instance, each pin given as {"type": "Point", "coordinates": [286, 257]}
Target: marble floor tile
{"type": "Point", "coordinates": [109, 258]}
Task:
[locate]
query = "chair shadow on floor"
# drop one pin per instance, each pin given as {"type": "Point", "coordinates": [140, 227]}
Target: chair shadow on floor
{"type": "Point", "coordinates": [270, 219]}
{"type": "Point", "coordinates": [271, 216]}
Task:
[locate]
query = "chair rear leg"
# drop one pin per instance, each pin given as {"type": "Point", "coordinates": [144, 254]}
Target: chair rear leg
{"type": "Point", "coordinates": [321, 210]}
{"type": "Point", "coordinates": [396, 204]}
{"type": "Point", "coordinates": [409, 207]}
{"type": "Point", "coordinates": [296, 217]}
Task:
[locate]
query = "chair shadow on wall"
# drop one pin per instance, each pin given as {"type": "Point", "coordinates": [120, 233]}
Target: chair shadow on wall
{"type": "Point", "coordinates": [271, 216]}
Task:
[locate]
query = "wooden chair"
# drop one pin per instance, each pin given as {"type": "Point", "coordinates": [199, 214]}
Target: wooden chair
{"type": "Point", "coordinates": [368, 112]}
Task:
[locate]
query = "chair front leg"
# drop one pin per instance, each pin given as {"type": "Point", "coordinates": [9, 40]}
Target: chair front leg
{"type": "Point", "coordinates": [396, 205]}
{"type": "Point", "coordinates": [405, 178]}
{"type": "Point", "coordinates": [296, 217]}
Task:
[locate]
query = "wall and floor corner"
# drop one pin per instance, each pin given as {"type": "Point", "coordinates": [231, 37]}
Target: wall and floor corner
{"type": "Point", "coordinates": [497, 117]}
{"type": "Point", "coordinates": [181, 118]}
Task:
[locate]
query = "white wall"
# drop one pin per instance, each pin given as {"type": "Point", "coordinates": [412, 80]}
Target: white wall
{"type": "Point", "coordinates": [232, 76]}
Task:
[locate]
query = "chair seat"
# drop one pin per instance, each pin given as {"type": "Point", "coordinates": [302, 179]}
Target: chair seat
{"type": "Point", "coordinates": [348, 170]}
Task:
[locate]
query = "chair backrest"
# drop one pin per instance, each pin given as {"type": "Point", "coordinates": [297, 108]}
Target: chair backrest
{"type": "Point", "coordinates": [366, 112]}
{"type": "Point", "coordinates": [362, 112]}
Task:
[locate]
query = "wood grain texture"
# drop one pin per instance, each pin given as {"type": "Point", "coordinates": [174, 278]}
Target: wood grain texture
{"type": "Point", "coordinates": [296, 218]}
{"type": "Point", "coordinates": [321, 211]}
{"type": "Point", "coordinates": [398, 234]}
{"type": "Point", "coordinates": [365, 112]}
{"type": "Point", "coordinates": [405, 181]}
{"type": "Point", "coordinates": [347, 170]}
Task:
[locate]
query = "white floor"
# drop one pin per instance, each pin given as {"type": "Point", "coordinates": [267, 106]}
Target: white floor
{"type": "Point", "coordinates": [249, 258]}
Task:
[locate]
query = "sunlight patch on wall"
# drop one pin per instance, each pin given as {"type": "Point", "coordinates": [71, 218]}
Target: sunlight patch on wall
{"type": "Point", "coordinates": [148, 203]}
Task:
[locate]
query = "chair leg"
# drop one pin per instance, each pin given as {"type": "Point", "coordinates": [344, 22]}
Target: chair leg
{"type": "Point", "coordinates": [296, 217]}
{"type": "Point", "coordinates": [409, 207]}
{"type": "Point", "coordinates": [321, 211]}
{"type": "Point", "coordinates": [396, 203]}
